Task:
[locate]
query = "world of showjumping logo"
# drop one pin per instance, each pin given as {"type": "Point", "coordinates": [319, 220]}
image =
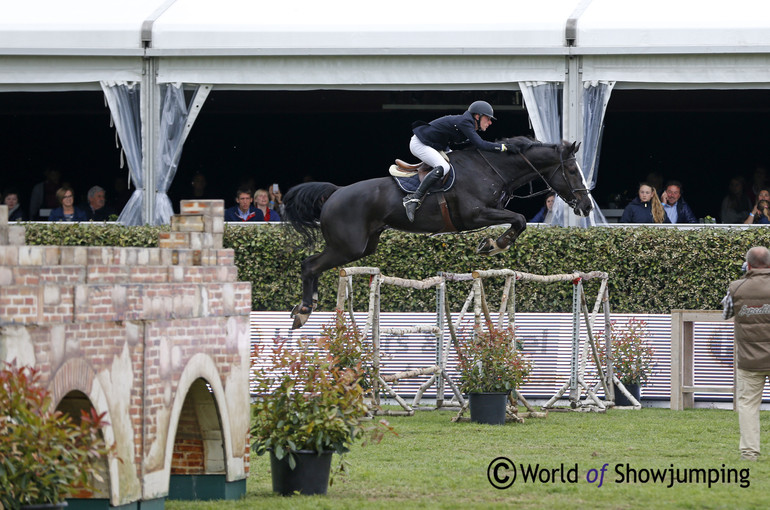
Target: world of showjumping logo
{"type": "Point", "coordinates": [503, 472]}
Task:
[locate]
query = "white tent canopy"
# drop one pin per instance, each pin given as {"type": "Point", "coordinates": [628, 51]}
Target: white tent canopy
{"type": "Point", "coordinates": [352, 44]}
{"type": "Point", "coordinates": [400, 45]}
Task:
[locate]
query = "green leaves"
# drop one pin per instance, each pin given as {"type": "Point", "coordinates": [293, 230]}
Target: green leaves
{"type": "Point", "coordinates": [44, 454]}
{"type": "Point", "coordinates": [310, 398]}
{"type": "Point", "coordinates": [652, 270]}
{"type": "Point", "coordinates": [488, 360]}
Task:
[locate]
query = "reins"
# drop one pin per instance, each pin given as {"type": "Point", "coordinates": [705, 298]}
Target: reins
{"type": "Point", "coordinates": [538, 172]}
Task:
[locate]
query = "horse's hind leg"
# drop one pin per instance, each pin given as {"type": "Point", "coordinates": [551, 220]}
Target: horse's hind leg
{"type": "Point", "coordinates": [313, 266]}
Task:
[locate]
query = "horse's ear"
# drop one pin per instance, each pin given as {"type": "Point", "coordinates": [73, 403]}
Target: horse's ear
{"type": "Point", "coordinates": [575, 147]}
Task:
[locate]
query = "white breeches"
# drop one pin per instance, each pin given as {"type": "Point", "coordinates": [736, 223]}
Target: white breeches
{"type": "Point", "coordinates": [427, 154]}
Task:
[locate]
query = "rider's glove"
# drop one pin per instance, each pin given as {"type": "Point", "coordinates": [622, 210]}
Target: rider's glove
{"type": "Point", "coordinates": [511, 148]}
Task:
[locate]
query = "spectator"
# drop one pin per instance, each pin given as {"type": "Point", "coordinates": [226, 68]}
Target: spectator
{"type": "Point", "coordinates": [244, 211]}
{"type": "Point", "coordinates": [44, 194]}
{"type": "Point", "coordinates": [748, 300]}
{"type": "Point", "coordinates": [67, 210]}
{"type": "Point", "coordinates": [736, 205]}
{"type": "Point", "coordinates": [262, 200]}
{"type": "Point", "coordinates": [15, 212]}
{"type": "Point", "coordinates": [545, 214]}
{"type": "Point", "coordinates": [646, 208]}
{"type": "Point", "coordinates": [276, 198]}
{"type": "Point", "coordinates": [757, 216]}
{"type": "Point", "coordinates": [758, 183]}
{"type": "Point", "coordinates": [674, 205]}
{"type": "Point", "coordinates": [97, 209]}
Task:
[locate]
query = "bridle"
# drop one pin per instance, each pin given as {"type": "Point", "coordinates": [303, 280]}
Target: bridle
{"type": "Point", "coordinates": [546, 180]}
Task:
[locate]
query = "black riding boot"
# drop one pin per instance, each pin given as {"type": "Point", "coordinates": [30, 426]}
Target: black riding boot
{"type": "Point", "coordinates": [413, 201]}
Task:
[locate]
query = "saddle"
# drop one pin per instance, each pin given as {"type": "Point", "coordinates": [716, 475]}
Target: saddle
{"type": "Point", "coordinates": [408, 176]}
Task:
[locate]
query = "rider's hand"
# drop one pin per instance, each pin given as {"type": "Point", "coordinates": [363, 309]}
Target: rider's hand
{"type": "Point", "coordinates": [511, 148]}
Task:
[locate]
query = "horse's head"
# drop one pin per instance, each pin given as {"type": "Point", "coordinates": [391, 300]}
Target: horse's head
{"type": "Point", "coordinates": [569, 182]}
{"type": "Point", "coordinates": [558, 167]}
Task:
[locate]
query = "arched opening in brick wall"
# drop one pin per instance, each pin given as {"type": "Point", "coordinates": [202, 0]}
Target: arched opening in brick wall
{"type": "Point", "coordinates": [198, 467]}
{"type": "Point", "coordinates": [73, 404]}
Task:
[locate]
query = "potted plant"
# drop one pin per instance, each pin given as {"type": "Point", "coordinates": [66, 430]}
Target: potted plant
{"type": "Point", "coordinates": [308, 407]}
{"type": "Point", "coordinates": [490, 367]}
{"type": "Point", "coordinates": [347, 345]}
{"type": "Point", "coordinates": [45, 456]}
{"type": "Point", "coordinates": [633, 358]}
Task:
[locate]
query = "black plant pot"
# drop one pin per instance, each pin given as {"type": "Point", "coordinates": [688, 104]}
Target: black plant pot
{"type": "Point", "coordinates": [45, 506]}
{"type": "Point", "coordinates": [309, 476]}
{"type": "Point", "coordinates": [620, 397]}
{"type": "Point", "coordinates": [488, 408]}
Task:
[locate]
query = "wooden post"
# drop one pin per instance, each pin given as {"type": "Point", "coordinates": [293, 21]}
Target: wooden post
{"type": "Point", "coordinates": [683, 386]}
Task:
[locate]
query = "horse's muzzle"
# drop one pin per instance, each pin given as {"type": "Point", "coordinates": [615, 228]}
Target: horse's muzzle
{"type": "Point", "coordinates": [583, 206]}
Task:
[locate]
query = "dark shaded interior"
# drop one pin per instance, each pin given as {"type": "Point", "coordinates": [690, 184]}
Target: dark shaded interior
{"type": "Point", "coordinates": [699, 137]}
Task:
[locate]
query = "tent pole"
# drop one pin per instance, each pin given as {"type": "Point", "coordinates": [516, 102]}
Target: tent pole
{"type": "Point", "coordinates": [150, 108]}
{"type": "Point", "coordinates": [572, 127]}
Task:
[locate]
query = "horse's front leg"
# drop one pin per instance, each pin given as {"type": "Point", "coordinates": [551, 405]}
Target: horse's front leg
{"type": "Point", "coordinates": [491, 246]}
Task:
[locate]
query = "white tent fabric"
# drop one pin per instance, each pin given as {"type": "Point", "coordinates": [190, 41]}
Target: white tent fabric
{"type": "Point", "coordinates": [595, 99]}
{"type": "Point", "coordinates": [362, 71]}
{"type": "Point", "coordinates": [403, 43]}
{"type": "Point", "coordinates": [123, 100]}
{"type": "Point", "coordinates": [74, 27]}
{"type": "Point", "coordinates": [347, 27]}
{"type": "Point", "coordinates": [543, 101]}
{"type": "Point", "coordinates": [681, 26]}
{"type": "Point", "coordinates": [176, 120]}
{"type": "Point", "coordinates": [682, 44]}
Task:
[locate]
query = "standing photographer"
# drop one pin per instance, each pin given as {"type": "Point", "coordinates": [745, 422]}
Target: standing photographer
{"type": "Point", "coordinates": [748, 300]}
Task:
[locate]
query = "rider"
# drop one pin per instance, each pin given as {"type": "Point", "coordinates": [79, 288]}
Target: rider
{"type": "Point", "coordinates": [431, 138]}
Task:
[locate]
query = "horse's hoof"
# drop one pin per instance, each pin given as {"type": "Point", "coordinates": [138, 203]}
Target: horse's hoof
{"type": "Point", "coordinates": [300, 313]}
{"type": "Point", "coordinates": [299, 320]}
{"type": "Point", "coordinates": [486, 246]}
{"type": "Point", "coordinates": [489, 247]}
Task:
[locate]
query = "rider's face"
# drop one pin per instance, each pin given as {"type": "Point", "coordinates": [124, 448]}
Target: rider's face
{"type": "Point", "coordinates": [484, 122]}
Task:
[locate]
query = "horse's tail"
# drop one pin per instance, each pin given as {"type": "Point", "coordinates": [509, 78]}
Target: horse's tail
{"type": "Point", "coordinates": [302, 207]}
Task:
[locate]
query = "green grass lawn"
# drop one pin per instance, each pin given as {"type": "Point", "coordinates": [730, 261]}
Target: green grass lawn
{"type": "Point", "coordinates": [434, 463]}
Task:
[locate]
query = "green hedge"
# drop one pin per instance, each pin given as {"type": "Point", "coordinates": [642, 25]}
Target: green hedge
{"type": "Point", "coordinates": [652, 270]}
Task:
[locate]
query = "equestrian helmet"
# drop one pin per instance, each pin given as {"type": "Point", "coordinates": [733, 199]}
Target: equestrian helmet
{"type": "Point", "coordinates": [482, 108]}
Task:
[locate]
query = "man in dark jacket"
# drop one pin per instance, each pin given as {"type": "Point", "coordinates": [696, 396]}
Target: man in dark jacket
{"type": "Point", "coordinates": [244, 211]}
{"type": "Point", "coordinates": [676, 208]}
{"type": "Point", "coordinates": [96, 209]}
{"type": "Point", "coordinates": [748, 300]}
{"type": "Point", "coordinates": [431, 138]}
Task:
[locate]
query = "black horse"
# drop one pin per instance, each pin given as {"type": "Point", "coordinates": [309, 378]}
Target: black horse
{"type": "Point", "coordinates": [352, 218]}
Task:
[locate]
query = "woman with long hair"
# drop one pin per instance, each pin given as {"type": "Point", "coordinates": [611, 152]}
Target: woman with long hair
{"type": "Point", "coordinates": [645, 208]}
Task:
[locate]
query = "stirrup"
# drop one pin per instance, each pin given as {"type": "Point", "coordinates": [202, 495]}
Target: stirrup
{"type": "Point", "coordinates": [411, 204]}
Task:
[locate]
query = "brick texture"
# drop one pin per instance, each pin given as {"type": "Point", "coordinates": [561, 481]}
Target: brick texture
{"type": "Point", "coordinates": [124, 326]}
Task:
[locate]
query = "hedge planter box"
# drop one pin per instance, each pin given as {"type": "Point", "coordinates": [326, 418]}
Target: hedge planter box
{"type": "Point", "coordinates": [488, 408]}
{"type": "Point", "coordinates": [309, 476]}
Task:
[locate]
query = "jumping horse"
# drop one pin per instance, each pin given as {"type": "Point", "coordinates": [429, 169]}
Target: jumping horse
{"type": "Point", "coordinates": [352, 218]}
